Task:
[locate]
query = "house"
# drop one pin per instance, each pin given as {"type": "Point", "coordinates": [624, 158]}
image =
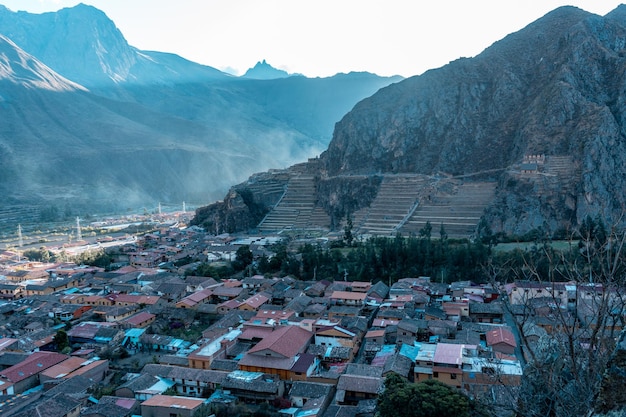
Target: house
{"type": "Point", "coordinates": [348, 298]}
{"type": "Point", "coordinates": [336, 312]}
{"type": "Point", "coordinates": [398, 364]}
{"type": "Point", "coordinates": [337, 336]}
{"type": "Point", "coordinates": [254, 387]}
{"type": "Point", "coordinates": [486, 312]}
{"type": "Point", "coordinates": [10, 291]}
{"type": "Point", "coordinates": [456, 310]}
{"type": "Point", "coordinates": [225, 293]}
{"type": "Point", "coordinates": [501, 340]}
{"type": "Point", "coordinates": [377, 293]}
{"type": "Point", "coordinates": [448, 363]}
{"type": "Point", "coordinates": [168, 406]}
{"type": "Point", "coordinates": [73, 366]}
{"type": "Point", "coordinates": [253, 303]}
{"type": "Point", "coordinates": [434, 313]}
{"type": "Point", "coordinates": [25, 375]}
{"type": "Point", "coordinates": [481, 375]}
{"type": "Point", "coordinates": [143, 386]}
{"type": "Point", "coordinates": [282, 352]}
{"type": "Point", "coordinates": [358, 383]}
{"type": "Point", "coordinates": [161, 343]}
{"type": "Point", "coordinates": [116, 314]}
{"type": "Point", "coordinates": [188, 382]}
{"type": "Point", "coordinates": [412, 330]}
{"type": "Point", "coordinates": [140, 320]}
{"type": "Point", "coordinates": [93, 332]}
{"type": "Point", "coordinates": [199, 297]}
{"type": "Point", "coordinates": [8, 344]}
{"type": "Point", "coordinates": [302, 392]}
{"type": "Point", "coordinates": [109, 406]}
{"type": "Point", "coordinates": [60, 405]}
{"type": "Point", "coordinates": [375, 336]}
{"type": "Point", "coordinates": [137, 300]}
{"type": "Point", "coordinates": [202, 357]}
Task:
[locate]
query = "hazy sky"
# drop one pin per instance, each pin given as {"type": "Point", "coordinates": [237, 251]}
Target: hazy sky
{"type": "Point", "coordinates": [319, 37]}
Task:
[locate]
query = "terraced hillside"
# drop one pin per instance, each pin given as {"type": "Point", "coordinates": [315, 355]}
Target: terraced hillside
{"type": "Point", "coordinates": [404, 203]}
{"type": "Point", "coordinates": [295, 208]}
{"type": "Point", "coordinates": [396, 199]}
{"type": "Point", "coordinates": [455, 204]}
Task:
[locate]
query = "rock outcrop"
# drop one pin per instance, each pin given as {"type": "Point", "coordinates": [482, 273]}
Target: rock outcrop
{"type": "Point", "coordinates": [542, 113]}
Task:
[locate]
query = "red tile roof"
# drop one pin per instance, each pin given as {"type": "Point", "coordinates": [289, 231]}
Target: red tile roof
{"type": "Point", "coordinates": [34, 364]}
{"type": "Point", "coordinates": [286, 341]}
{"type": "Point", "coordinates": [500, 335]}
{"type": "Point", "coordinates": [140, 318]}
{"type": "Point", "coordinates": [173, 402]}
{"type": "Point", "coordinates": [348, 295]}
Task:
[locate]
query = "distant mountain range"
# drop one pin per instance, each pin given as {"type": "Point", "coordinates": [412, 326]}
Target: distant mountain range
{"type": "Point", "coordinates": [539, 116]}
{"type": "Point", "coordinates": [92, 124]}
{"type": "Point", "coordinates": [264, 71]}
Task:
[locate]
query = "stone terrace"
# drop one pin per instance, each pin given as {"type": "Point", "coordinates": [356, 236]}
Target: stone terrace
{"type": "Point", "coordinates": [295, 208]}
{"type": "Point", "coordinates": [458, 206]}
{"type": "Point", "coordinates": [396, 198]}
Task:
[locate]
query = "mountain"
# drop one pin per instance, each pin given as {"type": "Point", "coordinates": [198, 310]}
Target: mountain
{"type": "Point", "coordinates": [84, 45]}
{"type": "Point", "coordinates": [264, 71]}
{"type": "Point", "coordinates": [124, 128]}
{"type": "Point", "coordinates": [536, 122]}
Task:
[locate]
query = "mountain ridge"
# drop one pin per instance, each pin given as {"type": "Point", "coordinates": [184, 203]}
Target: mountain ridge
{"type": "Point", "coordinates": [131, 114]}
{"type": "Point", "coordinates": [549, 91]}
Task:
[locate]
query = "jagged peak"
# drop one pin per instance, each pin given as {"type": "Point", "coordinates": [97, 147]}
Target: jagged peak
{"type": "Point", "coordinates": [264, 71]}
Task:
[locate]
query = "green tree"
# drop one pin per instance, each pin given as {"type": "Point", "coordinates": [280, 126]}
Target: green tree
{"type": "Point", "coordinates": [243, 258]}
{"type": "Point", "coordinates": [425, 399]}
{"type": "Point", "coordinates": [61, 340]}
{"type": "Point", "coordinates": [426, 231]}
{"type": "Point", "coordinates": [347, 231]}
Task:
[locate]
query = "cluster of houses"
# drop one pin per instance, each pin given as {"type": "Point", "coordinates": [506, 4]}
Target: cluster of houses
{"type": "Point", "coordinates": [309, 348]}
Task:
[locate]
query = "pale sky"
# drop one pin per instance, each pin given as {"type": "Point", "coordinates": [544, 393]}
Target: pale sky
{"type": "Point", "coordinates": [319, 37]}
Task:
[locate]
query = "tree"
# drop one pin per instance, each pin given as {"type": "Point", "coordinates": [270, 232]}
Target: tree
{"type": "Point", "coordinates": [61, 340]}
{"type": "Point", "coordinates": [426, 231]}
{"type": "Point", "coordinates": [243, 258]}
{"type": "Point", "coordinates": [583, 297]}
{"type": "Point", "coordinates": [347, 231]}
{"type": "Point", "coordinates": [430, 398]}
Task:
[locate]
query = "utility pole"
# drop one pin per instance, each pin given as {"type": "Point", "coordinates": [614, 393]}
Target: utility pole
{"type": "Point", "coordinates": [79, 235]}
{"type": "Point", "coordinates": [20, 239]}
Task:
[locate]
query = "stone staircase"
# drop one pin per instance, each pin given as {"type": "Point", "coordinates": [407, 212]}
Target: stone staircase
{"type": "Point", "coordinates": [458, 206]}
{"type": "Point", "coordinates": [295, 209]}
{"type": "Point", "coordinates": [396, 199]}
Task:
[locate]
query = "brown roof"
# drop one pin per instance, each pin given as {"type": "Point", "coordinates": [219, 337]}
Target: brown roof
{"type": "Point", "coordinates": [35, 363]}
{"type": "Point", "coordinates": [500, 335]}
{"type": "Point", "coordinates": [348, 295]}
{"type": "Point", "coordinates": [139, 318]}
{"type": "Point", "coordinates": [173, 401]}
{"type": "Point", "coordinates": [256, 301]}
{"type": "Point", "coordinates": [287, 341]}
{"type": "Point", "coordinates": [62, 369]}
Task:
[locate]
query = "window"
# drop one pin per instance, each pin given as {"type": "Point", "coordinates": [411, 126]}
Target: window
{"type": "Point", "coordinates": [435, 374]}
{"type": "Point", "coordinates": [452, 376]}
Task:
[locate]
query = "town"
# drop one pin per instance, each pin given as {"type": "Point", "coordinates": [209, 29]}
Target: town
{"type": "Point", "coordinates": [149, 338]}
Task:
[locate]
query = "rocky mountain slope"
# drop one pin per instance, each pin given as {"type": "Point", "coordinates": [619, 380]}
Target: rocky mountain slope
{"type": "Point", "coordinates": [541, 113]}
{"type": "Point", "coordinates": [127, 128]}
